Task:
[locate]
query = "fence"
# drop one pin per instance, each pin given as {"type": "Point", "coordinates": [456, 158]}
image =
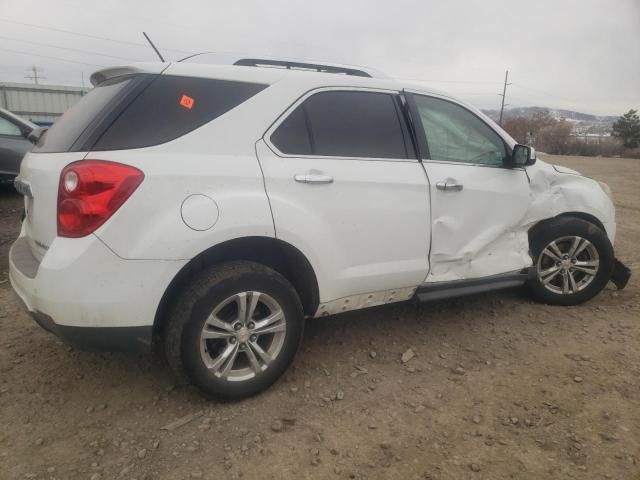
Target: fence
{"type": "Point", "coordinates": [42, 104]}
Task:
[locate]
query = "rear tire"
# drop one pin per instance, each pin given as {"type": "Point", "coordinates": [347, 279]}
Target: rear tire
{"type": "Point", "coordinates": [234, 329]}
{"type": "Point", "coordinates": [573, 261]}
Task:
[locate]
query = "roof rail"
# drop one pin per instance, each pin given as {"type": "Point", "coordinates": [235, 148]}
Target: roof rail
{"type": "Point", "coordinates": [259, 62]}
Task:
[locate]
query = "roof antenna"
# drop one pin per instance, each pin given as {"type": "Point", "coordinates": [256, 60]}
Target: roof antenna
{"type": "Point", "coordinates": [153, 46]}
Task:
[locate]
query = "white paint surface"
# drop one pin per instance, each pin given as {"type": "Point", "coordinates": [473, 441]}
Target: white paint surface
{"type": "Point", "coordinates": [380, 226]}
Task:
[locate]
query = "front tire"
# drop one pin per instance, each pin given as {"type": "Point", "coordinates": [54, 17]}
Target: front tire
{"type": "Point", "coordinates": [234, 330]}
{"type": "Point", "coordinates": [573, 261]}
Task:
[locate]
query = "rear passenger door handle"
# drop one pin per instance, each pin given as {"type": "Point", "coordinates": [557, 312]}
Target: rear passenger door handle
{"type": "Point", "coordinates": [449, 186]}
{"type": "Point", "coordinates": [313, 178]}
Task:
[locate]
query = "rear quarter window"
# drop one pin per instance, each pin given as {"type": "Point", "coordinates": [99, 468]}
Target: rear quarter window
{"type": "Point", "coordinates": [138, 111]}
{"type": "Point", "coordinates": [171, 107]}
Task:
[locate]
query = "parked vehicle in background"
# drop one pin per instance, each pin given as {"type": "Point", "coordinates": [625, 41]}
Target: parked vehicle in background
{"type": "Point", "coordinates": [215, 207]}
{"type": "Point", "coordinates": [13, 143]}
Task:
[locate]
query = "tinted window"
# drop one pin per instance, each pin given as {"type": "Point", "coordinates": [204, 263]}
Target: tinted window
{"type": "Point", "coordinates": [171, 107]}
{"type": "Point", "coordinates": [66, 130]}
{"type": "Point", "coordinates": [345, 124]}
{"type": "Point", "coordinates": [143, 110]}
{"type": "Point", "coordinates": [455, 134]}
{"type": "Point", "coordinates": [9, 128]}
{"type": "Point", "coordinates": [292, 136]}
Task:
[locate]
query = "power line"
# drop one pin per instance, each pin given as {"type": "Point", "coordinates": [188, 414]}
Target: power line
{"type": "Point", "coordinates": [50, 57]}
{"type": "Point", "coordinates": [96, 37]}
{"type": "Point", "coordinates": [542, 92]}
{"type": "Point", "coordinates": [130, 15]}
{"type": "Point", "coordinates": [70, 49]}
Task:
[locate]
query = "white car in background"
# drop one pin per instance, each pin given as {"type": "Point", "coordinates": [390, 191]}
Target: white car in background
{"type": "Point", "coordinates": [215, 207]}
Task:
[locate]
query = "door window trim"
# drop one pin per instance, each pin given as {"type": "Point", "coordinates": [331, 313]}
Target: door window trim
{"type": "Point", "coordinates": [422, 137]}
{"type": "Point", "coordinates": [285, 114]}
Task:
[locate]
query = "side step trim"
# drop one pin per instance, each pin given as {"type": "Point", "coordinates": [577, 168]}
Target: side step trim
{"type": "Point", "coordinates": [459, 288]}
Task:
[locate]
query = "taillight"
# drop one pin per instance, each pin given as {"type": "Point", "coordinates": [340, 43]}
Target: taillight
{"type": "Point", "coordinates": [90, 191]}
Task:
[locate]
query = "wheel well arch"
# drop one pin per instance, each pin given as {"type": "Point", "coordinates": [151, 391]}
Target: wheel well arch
{"type": "Point", "coordinates": [586, 217]}
{"type": "Point", "coordinates": [271, 252]}
{"type": "Point", "coordinates": [533, 231]}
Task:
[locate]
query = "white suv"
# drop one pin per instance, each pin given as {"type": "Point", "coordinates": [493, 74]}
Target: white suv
{"type": "Point", "coordinates": [214, 207]}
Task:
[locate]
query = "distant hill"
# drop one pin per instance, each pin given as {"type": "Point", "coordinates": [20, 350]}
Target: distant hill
{"type": "Point", "coordinates": [557, 113]}
{"type": "Point", "coordinates": [581, 119]}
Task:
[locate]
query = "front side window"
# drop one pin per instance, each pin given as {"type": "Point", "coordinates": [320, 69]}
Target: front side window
{"type": "Point", "coordinates": [9, 128]}
{"type": "Point", "coordinates": [455, 134]}
{"type": "Point", "coordinates": [345, 124]}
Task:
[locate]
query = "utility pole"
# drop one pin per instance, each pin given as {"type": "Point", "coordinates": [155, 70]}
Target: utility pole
{"type": "Point", "coordinates": [503, 95]}
{"type": "Point", "coordinates": [35, 77]}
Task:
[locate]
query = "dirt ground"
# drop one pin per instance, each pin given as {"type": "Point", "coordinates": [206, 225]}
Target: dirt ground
{"type": "Point", "coordinates": [499, 387]}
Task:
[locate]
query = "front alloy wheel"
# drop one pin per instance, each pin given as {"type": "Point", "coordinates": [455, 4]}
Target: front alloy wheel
{"type": "Point", "coordinates": [573, 261]}
{"type": "Point", "coordinates": [568, 265]}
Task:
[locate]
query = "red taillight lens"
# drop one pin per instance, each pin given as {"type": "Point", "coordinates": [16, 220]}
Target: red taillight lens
{"type": "Point", "coordinates": [90, 191]}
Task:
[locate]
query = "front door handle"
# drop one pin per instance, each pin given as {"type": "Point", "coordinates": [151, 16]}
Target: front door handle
{"type": "Point", "coordinates": [313, 178]}
{"type": "Point", "coordinates": [449, 186]}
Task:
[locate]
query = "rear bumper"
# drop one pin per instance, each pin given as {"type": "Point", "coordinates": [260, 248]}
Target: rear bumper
{"type": "Point", "coordinates": [88, 296]}
{"type": "Point", "coordinates": [621, 274]}
{"type": "Point", "coordinates": [98, 339]}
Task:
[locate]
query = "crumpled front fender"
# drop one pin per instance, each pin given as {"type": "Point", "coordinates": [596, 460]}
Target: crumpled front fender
{"type": "Point", "coordinates": [557, 190]}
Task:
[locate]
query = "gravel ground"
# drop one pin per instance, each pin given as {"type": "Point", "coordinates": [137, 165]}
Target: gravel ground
{"type": "Point", "coordinates": [498, 387]}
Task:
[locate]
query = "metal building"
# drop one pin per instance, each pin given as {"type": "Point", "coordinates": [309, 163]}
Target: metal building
{"type": "Point", "coordinates": [42, 104]}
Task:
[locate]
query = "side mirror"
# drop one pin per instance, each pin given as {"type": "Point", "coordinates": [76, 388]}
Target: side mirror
{"type": "Point", "coordinates": [520, 156]}
{"type": "Point", "coordinates": [25, 132]}
{"type": "Point", "coordinates": [35, 134]}
{"type": "Point", "coordinates": [532, 157]}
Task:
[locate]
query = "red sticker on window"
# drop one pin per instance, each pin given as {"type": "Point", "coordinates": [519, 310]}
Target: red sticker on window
{"type": "Point", "coordinates": [187, 102]}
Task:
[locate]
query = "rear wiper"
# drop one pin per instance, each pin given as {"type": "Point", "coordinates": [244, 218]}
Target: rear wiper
{"type": "Point", "coordinates": [35, 134]}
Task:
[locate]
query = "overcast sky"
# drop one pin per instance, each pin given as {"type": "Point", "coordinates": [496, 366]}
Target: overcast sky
{"type": "Point", "coordinates": [582, 55]}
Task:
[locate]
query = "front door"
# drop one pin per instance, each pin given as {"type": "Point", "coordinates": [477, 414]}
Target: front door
{"type": "Point", "coordinates": [477, 203]}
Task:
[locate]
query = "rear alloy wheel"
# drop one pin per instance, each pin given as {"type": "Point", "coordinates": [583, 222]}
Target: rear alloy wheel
{"type": "Point", "coordinates": [573, 261]}
{"type": "Point", "coordinates": [234, 330]}
{"type": "Point", "coordinates": [243, 336]}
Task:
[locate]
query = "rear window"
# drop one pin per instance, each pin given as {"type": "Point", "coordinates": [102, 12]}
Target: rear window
{"type": "Point", "coordinates": [66, 130]}
{"type": "Point", "coordinates": [142, 111]}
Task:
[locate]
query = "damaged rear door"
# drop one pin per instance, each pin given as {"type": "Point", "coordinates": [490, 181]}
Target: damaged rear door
{"type": "Point", "coordinates": [477, 203]}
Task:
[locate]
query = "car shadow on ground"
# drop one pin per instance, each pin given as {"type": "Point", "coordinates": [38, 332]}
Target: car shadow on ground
{"type": "Point", "coordinates": [403, 324]}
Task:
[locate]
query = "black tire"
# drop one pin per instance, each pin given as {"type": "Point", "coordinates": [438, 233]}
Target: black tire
{"type": "Point", "coordinates": [563, 227]}
{"type": "Point", "coordinates": [195, 303]}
